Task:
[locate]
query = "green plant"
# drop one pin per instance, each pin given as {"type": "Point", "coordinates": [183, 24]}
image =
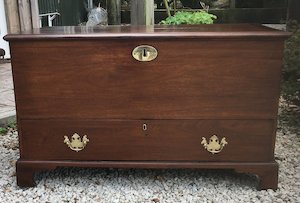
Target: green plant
{"type": "Point", "coordinates": [11, 125]}
{"type": "Point", "coordinates": [199, 17]}
{"type": "Point", "coordinates": [291, 70]}
{"type": "Point", "coordinates": [3, 130]}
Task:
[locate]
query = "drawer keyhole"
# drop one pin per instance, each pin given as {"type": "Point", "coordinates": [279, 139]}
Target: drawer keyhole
{"type": "Point", "coordinates": [144, 127]}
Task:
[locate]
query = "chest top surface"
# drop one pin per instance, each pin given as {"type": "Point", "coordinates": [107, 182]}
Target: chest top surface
{"type": "Point", "coordinates": [157, 31]}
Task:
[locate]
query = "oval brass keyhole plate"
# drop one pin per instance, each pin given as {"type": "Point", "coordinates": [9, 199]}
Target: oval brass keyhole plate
{"type": "Point", "coordinates": [144, 53]}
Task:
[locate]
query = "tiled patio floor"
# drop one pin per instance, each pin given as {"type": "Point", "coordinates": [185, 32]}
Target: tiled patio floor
{"type": "Point", "coordinates": [7, 99]}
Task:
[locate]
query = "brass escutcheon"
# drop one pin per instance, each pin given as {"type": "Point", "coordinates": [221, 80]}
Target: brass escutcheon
{"type": "Point", "coordinates": [144, 127]}
{"type": "Point", "coordinates": [144, 53]}
{"type": "Point", "coordinates": [76, 144]}
{"type": "Point", "coordinates": [214, 146]}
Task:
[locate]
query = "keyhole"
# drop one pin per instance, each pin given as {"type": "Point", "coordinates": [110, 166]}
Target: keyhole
{"type": "Point", "coordinates": [144, 127]}
{"type": "Point", "coordinates": [144, 53]}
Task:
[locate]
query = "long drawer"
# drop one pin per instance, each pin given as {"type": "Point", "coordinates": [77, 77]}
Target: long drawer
{"type": "Point", "coordinates": [160, 140]}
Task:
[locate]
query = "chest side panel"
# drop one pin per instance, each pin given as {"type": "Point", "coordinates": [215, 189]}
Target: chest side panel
{"type": "Point", "coordinates": [190, 79]}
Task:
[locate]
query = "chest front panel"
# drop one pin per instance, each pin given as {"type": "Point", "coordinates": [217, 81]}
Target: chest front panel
{"type": "Point", "coordinates": [189, 79]}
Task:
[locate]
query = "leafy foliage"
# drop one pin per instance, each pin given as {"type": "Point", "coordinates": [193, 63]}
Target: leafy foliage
{"type": "Point", "coordinates": [3, 131]}
{"type": "Point", "coordinates": [199, 17]}
{"type": "Point", "coordinates": [11, 126]}
{"type": "Point", "coordinates": [291, 70]}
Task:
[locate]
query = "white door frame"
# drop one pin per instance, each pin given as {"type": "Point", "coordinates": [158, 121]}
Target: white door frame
{"type": "Point", "coordinates": [3, 30]}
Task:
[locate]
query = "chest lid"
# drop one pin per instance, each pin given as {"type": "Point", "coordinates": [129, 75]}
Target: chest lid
{"type": "Point", "coordinates": [215, 31]}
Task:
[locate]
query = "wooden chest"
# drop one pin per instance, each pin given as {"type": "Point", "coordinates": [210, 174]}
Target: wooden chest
{"type": "Point", "coordinates": [148, 97]}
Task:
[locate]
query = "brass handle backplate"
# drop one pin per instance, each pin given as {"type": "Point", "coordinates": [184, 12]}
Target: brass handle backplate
{"type": "Point", "coordinates": [214, 146]}
{"type": "Point", "coordinates": [144, 53]}
{"type": "Point", "coordinates": [77, 143]}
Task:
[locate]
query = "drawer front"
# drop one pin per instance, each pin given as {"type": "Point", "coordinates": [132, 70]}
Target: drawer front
{"type": "Point", "coordinates": [161, 140]}
{"type": "Point", "coordinates": [189, 79]}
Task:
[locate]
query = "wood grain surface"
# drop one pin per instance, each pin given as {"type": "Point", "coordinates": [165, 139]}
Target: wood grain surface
{"type": "Point", "coordinates": [190, 79]}
{"type": "Point", "coordinates": [215, 31]}
{"type": "Point", "coordinates": [164, 140]}
{"type": "Point", "coordinates": [267, 172]}
{"type": "Point", "coordinates": [207, 80]}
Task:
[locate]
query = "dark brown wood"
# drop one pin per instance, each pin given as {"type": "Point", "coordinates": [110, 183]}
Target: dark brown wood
{"type": "Point", "coordinates": [25, 175]}
{"type": "Point", "coordinates": [207, 80]}
{"type": "Point", "coordinates": [268, 175]}
{"type": "Point", "coordinates": [267, 172]}
{"type": "Point", "coordinates": [105, 81]}
{"type": "Point", "coordinates": [215, 31]}
{"type": "Point", "coordinates": [26, 171]}
{"type": "Point", "coordinates": [164, 140]}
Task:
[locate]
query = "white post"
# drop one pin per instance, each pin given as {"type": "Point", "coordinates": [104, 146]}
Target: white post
{"type": "Point", "coordinates": [50, 18]}
{"type": "Point", "coordinates": [25, 14]}
{"type": "Point", "coordinates": [49, 21]}
{"type": "Point", "coordinates": [35, 13]}
{"type": "Point", "coordinates": [142, 12]}
{"type": "Point", "coordinates": [3, 30]}
{"type": "Point", "coordinates": [12, 16]}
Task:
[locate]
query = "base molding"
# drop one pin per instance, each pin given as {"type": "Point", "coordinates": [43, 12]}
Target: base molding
{"type": "Point", "coordinates": [266, 171]}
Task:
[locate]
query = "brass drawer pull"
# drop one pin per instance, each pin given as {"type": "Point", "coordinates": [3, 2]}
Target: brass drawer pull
{"type": "Point", "coordinates": [144, 53]}
{"type": "Point", "coordinates": [76, 144]}
{"type": "Point", "coordinates": [214, 146]}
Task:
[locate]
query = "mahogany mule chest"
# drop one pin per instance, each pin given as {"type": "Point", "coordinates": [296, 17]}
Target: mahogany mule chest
{"type": "Point", "coordinates": [148, 97]}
